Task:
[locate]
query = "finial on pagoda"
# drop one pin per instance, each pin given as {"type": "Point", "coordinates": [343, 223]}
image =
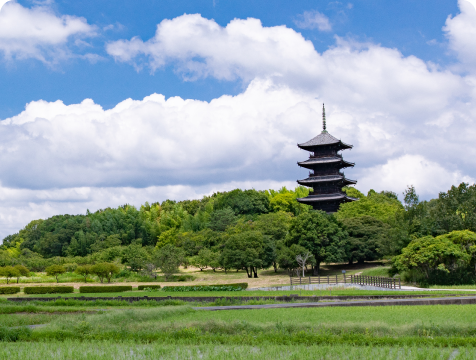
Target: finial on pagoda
{"type": "Point", "coordinates": [323, 119]}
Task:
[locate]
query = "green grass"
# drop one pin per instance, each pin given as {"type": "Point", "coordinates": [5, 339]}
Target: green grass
{"type": "Point", "coordinates": [377, 271]}
{"type": "Point", "coordinates": [325, 292]}
{"type": "Point", "coordinates": [123, 351]}
{"type": "Point", "coordinates": [449, 325]}
{"type": "Point", "coordinates": [456, 287]}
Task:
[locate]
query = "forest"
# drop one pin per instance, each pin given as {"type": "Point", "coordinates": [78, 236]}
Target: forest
{"type": "Point", "coordinates": [428, 242]}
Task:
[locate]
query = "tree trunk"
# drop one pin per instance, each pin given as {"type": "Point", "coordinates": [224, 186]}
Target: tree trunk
{"type": "Point", "coordinates": [351, 261]}
{"type": "Point", "coordinates": [275, 267]}
{"type": "Point", "coordinates": [315, 269]}
{"type": "Point", "coordinates": [248, 272]}
{"type": "Point", "coordinates": [255, 272]}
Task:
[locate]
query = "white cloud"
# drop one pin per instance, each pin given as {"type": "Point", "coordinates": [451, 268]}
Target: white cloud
{"type": "Point", "coordinates": [461, 32]}
{"type": "Point", "coordinates": [408, 120]}
{"type": "Point", "coordinates": [3, 2]}
{"type": "Point", "coordinates": [426, 176]}
{"type": "Point", "coordinates": [38, 33]}
{"type": "Point", "coordinates": [313, 20]}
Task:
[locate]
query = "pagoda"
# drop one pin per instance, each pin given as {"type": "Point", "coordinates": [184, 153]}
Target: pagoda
{"type": "Point", "coordinates": [325, 177]}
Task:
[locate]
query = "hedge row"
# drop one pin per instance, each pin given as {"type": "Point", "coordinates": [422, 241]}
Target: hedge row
{"type": "Point", "coordinates": [49, 290]}
{"type": "Point", "coordinates": [142, 287]}
{"type": "Point", "coordinates": [227, 287]}
{"type": "Point", "coordinates": [103, 289]}
{"type": "Point", "coordinates": [9, 290]}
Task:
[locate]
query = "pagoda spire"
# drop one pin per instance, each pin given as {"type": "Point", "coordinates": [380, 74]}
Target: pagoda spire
{"type": "Point", "coordinates": [323, 119]}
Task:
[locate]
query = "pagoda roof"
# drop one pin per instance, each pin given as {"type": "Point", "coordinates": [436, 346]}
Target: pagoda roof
{"type": "Point", "coordinates": [324, 138]}
{"type": "Point", "coordinates": [325, 160]}
{"type": "Point", "coordinates": [328, 178]}
{"type": "Point", "coordinates": [327, 197]}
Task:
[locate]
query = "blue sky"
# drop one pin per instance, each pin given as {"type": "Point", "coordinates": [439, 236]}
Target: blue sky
{"type": "Point", "coordinates": [110, 102]}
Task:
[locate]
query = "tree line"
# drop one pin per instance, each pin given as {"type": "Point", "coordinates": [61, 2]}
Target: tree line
{"type": "Point", "coordinates": [250, 230]}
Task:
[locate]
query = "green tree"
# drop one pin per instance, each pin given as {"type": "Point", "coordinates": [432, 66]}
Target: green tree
{"type": "Point", "coordinates": [105, 270]}
{"type": "Point", "coordinates": [246, 202]}
{"type": "Point", "coordinates": [84, 271]}
{"type": "Point", "coordinates": [286, 257]}
{"type": "Point", "coordinates": [276, 226]}
{"type": "Point", "coordinates": [221, 219]}
{"type": "Point", "coordinates": [9, 272]}
{"type": "Point", "coordinates": [248, 250]}
{"type": "Point", "coordinates": [429, 254]}
{"type": "Point", "coordinates": [136, 257]}
{"type": "Point", "coordinates": [55, 270]}
{"type": "Point", "coordinates": [168, 259]}
{"type": "Point", "coordinates": [22, 271]}
{"type": "Point", "coordinates": [321, 234]}
{"type": "Point", "coordinates": [382, 206]}
{"type": "Point", "coordinates": [367, 238]}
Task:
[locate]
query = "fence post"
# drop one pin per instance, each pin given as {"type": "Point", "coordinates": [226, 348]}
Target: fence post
{"type": "Point", "coordinates": [319, 279]}
{"type": "Point", "coordinates": [399, 284]}
{"type": "Point", "coordinates": [300, 280]}
{"type": "Point", "coordinates": [336, 280]}
{"type": "Point", "coordinates": [328, 279]}
{"type": "Point", "coordinates": [344, 280]}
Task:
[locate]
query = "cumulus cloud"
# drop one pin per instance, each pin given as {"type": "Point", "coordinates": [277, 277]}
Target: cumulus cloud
{"type": "Point", "coordinates": [313, 20]}
{"type": "Point", "coordinates": [425, 175]}
{"type": "Point", "coordinates": [461, 33]}
{"type": "Point", "coordinates": [38, 33]}
{"type": "Point", "coordinates": [408, 120]}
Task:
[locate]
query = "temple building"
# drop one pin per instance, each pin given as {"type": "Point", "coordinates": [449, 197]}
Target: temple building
{"type": "Point", "coordinates": [325, 177]}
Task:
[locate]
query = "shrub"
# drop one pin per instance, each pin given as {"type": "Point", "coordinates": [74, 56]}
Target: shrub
{"type": "Point", "coordinates": [105, 270]}
{"type": "Point", "coordinates": [103, 289]}
{"type": "Point", "coordinates": [9, 290]}
{"type": "Point", "coordinates": [48, 290]}
{"type": "Point", "coordinates": [9, 272]}
{"type": "Point", "coordinates": [142, 287]}
{"type": "Point", "coordinates": [227, 287]}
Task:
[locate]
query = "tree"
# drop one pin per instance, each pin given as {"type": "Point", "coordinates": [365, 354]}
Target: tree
{"type": "Point", "coordinates": [202, 259]}
{"type": "Point", "coordinates": [55, 270]}
{"type": "Point", "coordinates": [249, 250]}
{"type": "Point", "coordinates": [246, 202]}
{"type": "Point", "coordinates": [429, 254]}
{"type": "Point", "coordinates": [168, 259]}
{"type": "Point", "coordinates": [321, 235]}
{"type": "Point", "coordinates": [105, 270]}
{"type": "Point", "coordinates": [286, 257]}
{"type": "Point", "coordinates": [136, 257]}
{"type": "Point", "coordinates": [367, 238]}
{"type": "Point", "coordinates": [9, 272]}
{"type": "Point", "coordinates": [382, 206]}
{"type": "Point", "coordinates": [221, 219]}
{"type": "Point", "coordinates": [22, 271]}
{"type": "Point", "coordinates": [84, 271]}
{"type": "Point", "coordinates": [276, 226]}
{"type": "Point", "coordinates": [302, 259]}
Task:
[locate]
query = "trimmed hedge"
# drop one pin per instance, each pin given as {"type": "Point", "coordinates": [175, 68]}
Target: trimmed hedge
{"type": "Point", "coordinates": [227, 287]}
{"type": "Point", "coordinates": [103, 289]}
{"type": "Point", "coordinates": [49, 290]}
{"type": "Point", "coordinates": [142, 287]}
{"type": "Point", "coordinates": [9, 290]}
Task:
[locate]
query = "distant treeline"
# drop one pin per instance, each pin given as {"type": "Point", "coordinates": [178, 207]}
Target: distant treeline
{"type": "Point", "coordinates": [245, 230]}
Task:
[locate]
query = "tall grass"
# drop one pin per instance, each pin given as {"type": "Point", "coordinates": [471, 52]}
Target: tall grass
{"type": "Point", "coordinates": [131, 351]}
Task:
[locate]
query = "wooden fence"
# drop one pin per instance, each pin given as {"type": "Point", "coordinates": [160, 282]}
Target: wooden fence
{"type": "Point", "coordinates": [378, 281]}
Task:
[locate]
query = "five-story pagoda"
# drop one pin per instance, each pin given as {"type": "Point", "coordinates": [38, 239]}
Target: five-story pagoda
{"type": "Point", "coordinates": [325, 177]}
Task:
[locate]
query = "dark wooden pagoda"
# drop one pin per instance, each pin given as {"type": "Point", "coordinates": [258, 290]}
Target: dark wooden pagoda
{"type": "Point", "coordinates": [325, 177]}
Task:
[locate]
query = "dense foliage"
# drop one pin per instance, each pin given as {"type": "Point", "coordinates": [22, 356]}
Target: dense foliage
{"type": "Point", "coordinates": [251, 230]}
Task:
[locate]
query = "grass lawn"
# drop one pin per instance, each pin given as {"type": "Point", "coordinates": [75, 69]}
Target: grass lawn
{"type": "Point", "coordinates": [123, 351]}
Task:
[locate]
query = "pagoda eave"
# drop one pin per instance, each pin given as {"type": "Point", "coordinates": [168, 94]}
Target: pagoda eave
{"type": "Point", "coordinates": [311, 199]}
{"type": "Point", "coordinates": [326, 179]}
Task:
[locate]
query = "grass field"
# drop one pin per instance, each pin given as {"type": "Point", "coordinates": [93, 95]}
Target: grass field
{"type": "Point", "coordinates": [122, 351]}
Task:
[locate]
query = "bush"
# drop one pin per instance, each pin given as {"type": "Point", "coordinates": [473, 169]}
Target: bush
{"type": "Point", "coordinates": [227, 287]}
{"type": "Point", "coordinates": [142, 287]}
{"type": "Point", "coordinates": [103, 289]}
{"type": "Point", "coordinates": [9, 290]}
{"type": "Point", "coordinates": [48, 290]}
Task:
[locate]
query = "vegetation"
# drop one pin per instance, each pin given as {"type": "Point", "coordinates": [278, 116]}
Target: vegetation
{"type": "Point", "coordinates": [48, 289]}
{"type": "Point", "coordinates": [431, 242]}
{"type": "Point", "coordinates": [228, 287]}
{"type": "Point", "coordinates": [103, 289]}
